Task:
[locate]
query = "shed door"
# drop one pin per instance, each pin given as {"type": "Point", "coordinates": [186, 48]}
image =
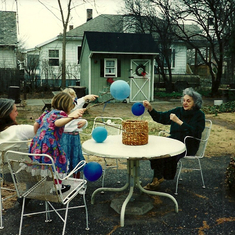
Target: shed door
{"type": "Point", "coordinates": [140, 80]}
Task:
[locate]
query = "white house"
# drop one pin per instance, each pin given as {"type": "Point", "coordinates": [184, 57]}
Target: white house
{"type": "Point", "coordinates": [8, 40]}
{"type": "Point", "coordinates": [50, 52]}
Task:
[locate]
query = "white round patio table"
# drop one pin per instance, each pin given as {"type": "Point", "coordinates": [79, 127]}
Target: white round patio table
{"type": "Point", "coordinates": [112, 147]}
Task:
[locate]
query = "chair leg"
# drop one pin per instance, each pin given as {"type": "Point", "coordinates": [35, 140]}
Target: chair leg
{"type": "Point", "coordinates": [200, 167]}
{"type": "Point", "coordinates": [118, 172]}
{"type": "Point", "coordinates": [84, 202]}
{"type": "Point", "coordinates": [178, 176]}
{"type": "Point", "coordinates": [103, 176]}
{"type": "Point", "coordinates": [48, 215]}
{"type": "Point", "coordinates": [1, 207]}
{"type": "Point", "coordinates": [104, 170]}
{"type": "Point", "coordinates": [22, 216]}
{"type": "Point", "coordinates": [65, 218]}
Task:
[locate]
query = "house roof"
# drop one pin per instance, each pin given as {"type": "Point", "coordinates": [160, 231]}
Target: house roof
{"type": "Point", "coordinates": [101, 23]}
{"type": "Point", "coordinates": [118, 24]}
{"type": "Point", "coordinates": [121, 42]}
{"type": "Point", "coordinates": [8, 31]}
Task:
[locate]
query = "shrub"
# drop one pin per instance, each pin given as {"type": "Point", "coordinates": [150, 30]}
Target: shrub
{"type": "Point", "coordinates": [228, 107]}
{"type": "Point", "coordinates": [230, 174]}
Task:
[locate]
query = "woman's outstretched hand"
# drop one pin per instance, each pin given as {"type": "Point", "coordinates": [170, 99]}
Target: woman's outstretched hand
{"type": "Point", "coordinates": [76, 114]}
{"type": "Point", "coordinates": [147, 105]}
{"type": "Point", "coordinates": [175, 119]}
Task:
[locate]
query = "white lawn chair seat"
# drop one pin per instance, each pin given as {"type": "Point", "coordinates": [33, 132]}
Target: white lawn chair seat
{"type": "Point", "coordinates": [41, 185]}
{"type": "Point", "coordinates": [199, 155]}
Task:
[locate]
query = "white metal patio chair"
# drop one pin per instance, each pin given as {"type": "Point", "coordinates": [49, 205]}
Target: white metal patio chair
{"type": "Point", "coordinates": [113, 125]}
{"type": "Point", "coordinates": [34, 180]}
{"type": "Point", "coordinates": [199, 155]}
{"type": "Point", "coordinates": [4, 170]}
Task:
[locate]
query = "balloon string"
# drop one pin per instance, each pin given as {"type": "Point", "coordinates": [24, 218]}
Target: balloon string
{"type": "Point", "coordinates": [104, 106]}
{"type": "Point", "coordinates": [105, 102]}
{"type": "Point", "coordinates": [119, 128]}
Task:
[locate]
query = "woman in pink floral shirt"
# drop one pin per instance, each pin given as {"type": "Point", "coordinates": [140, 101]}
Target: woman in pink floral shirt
{"type": "Point", "coordinates": [49, 128]}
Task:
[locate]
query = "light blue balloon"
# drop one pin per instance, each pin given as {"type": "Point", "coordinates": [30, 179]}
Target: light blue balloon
{"type": "Point", "coordinates": [99, 134]}
{"type": "Point", "coordinates": [120, 90]}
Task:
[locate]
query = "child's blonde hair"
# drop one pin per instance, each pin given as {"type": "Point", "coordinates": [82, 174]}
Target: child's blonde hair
{"type": "Point", "coordinates": [62, 101]}
{"type": "Point", "coordinates": [71, 92]}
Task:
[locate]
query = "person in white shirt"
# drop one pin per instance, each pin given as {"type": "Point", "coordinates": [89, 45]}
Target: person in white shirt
{"type": "Point", "coordinates": [9, 129]}
{"type": "Point", "coordinates": [11, 132]}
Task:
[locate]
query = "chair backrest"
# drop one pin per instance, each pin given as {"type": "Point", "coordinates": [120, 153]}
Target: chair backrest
{"type": "Point", "coordinates": [113, 125]}
{"type": "Point", "coordinates": [11, 145]}
{"type": "Point", "coordinates": [204, 138]}
{"type": "Point", "coordinates": [33, 179]}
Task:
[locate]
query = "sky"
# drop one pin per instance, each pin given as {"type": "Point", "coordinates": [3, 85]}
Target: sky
{"type": "Point", "coordinates": [40, 20]}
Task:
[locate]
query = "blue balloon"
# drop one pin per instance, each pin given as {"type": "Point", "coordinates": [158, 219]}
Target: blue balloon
{"type": "Point", "coordinates": [99, 134]}
{"type": "Point", "coordinates": [92, 171]}
{"type": "Point", "coordinates": [138, 109]}
{"type": "Point", "coordinates": [120, 90]}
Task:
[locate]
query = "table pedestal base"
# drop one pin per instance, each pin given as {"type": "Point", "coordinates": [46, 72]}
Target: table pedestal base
{"type": "Point", "coordinates": [133, 181]}
{"type": "Point", "coordinates": [138, 205]}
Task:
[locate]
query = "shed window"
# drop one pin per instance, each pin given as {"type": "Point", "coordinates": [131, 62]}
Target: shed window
{"type": "Point", "coordinates": [110, 67]}
{"type": "Point", "coordinates": [54, 57]}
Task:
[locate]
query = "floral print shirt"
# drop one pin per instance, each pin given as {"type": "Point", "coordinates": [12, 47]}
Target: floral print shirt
{"type": "Point", "coordinates": [47, 140]}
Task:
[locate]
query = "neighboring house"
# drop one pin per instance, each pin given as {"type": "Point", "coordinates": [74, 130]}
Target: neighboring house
{"type": "Point", "coordinates": [10, 75]}
{"type": "Point", "coordinates": [50, 59]}
{"type": "Point", "coordinates": [50, 52]}
{"type": "Point", "coordinates": [107, 57]}
{"type": "Point", "coordinates": [8, 40]}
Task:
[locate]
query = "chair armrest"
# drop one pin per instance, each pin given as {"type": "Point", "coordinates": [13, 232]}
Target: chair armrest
{"type": "Point", "coordinates": [76, 168]}
{"type": "Point", "coordinates": [191, 137]}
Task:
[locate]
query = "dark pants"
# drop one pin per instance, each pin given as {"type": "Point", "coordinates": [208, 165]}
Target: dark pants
{"type": "Point", "coordinates": [165, 167]}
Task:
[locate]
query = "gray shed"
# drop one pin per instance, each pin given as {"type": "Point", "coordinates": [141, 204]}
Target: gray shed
{"type": "Point", "coordinates": [107, 57]}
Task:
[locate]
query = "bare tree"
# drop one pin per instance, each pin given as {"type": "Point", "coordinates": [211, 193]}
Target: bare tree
{"type": "Point", "coordinates": [65, 21]}
{"type": "Point", "coordinates": [65, 17]}
{"type": "Point", "coordinates": [211, 29]}
{"type": "Point", "coordinates": [153, 18]}
{"type": "Point", "coordinates": [215, 19]}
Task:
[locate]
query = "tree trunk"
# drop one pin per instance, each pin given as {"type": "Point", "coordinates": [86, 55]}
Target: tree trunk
{"type": "Point", "coordinates": [63, 82]}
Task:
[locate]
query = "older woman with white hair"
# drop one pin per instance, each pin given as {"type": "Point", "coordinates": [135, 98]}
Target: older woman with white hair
{"type": "Point", "coordinates": [187, 120]}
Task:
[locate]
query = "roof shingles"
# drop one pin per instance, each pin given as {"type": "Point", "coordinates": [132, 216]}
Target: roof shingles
{"type": "Point", "coordinates": [121, 42]}
{"type": "Point", "coordinates": [8, 32]}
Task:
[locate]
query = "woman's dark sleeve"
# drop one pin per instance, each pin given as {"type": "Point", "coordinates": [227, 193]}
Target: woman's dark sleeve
{"type": "Point", "coordinates": [162, 117]}
{"type": "Point", "coordinates": [196, 126]}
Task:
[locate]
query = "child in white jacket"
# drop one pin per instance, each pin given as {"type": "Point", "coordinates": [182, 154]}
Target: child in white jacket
{"type": "Point", "coordinates": [70, 140]}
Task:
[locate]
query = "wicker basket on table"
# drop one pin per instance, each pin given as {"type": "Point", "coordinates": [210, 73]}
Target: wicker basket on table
{"type": "Point", "coordinates": [134, 132]}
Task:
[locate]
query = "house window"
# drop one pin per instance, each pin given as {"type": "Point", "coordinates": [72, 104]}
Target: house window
{"type": "Point", "coordinates": [173, 58]}
{"type": "Point", "coordinates": [79, 53]}
{"type": "Point", "coordinates": [110, 67]}
{"type": "Point", "coordinates": [54, 57]}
